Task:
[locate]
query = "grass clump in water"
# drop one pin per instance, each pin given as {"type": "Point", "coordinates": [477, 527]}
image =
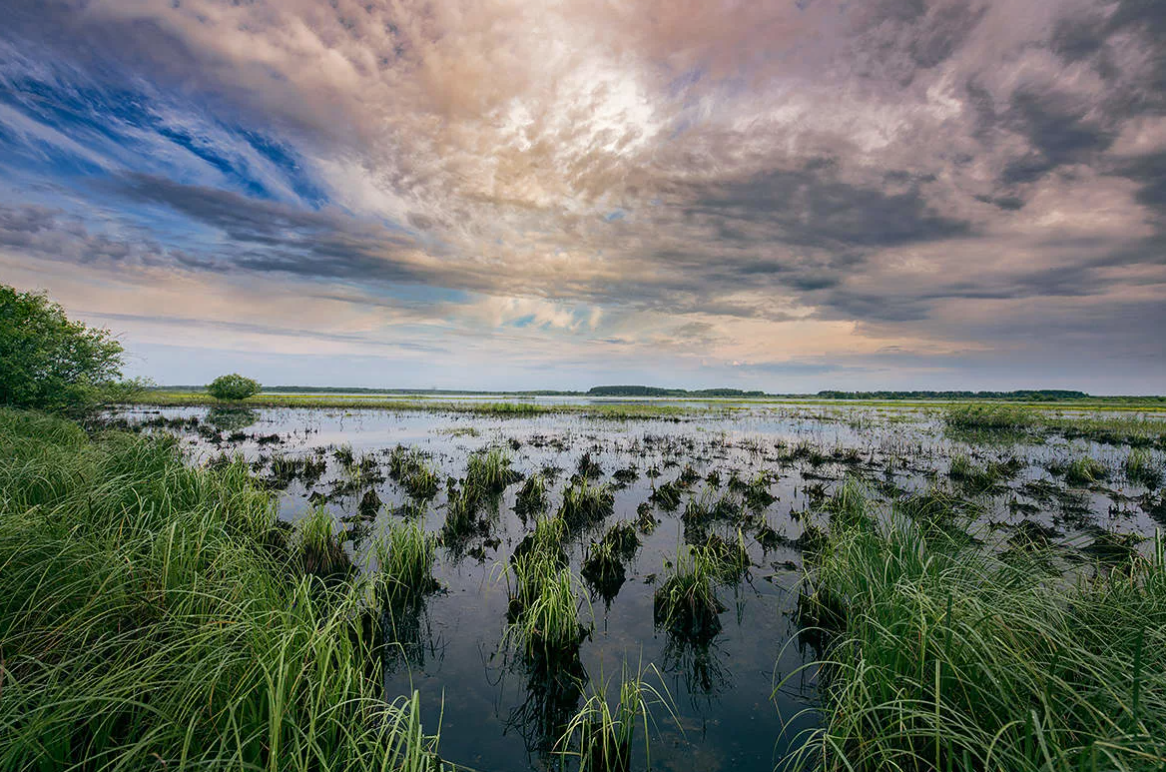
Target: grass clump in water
{"type": "Point", "coordinates": [944, 656]}
{"type": "Point", "coordinates": [985, 417]}
{"type": "Point", "coordinates": [532, 496]}
{"type": "Point", "coordinates": [604, 561]}
{"type": "Point", "coordinates": [405, 555]}
{"type": "Point", "coordinates": [409, 469]}
{"type": "Point", "coordinates": [1085, 471]}
{"type": "Point", "coordinates": [153, 615]}
{"type": "Point", "coordinates": [972, 476]}
{"type": "Point", "coordinates": [666, 496]}
{"type": "Point", "coordinates": [586, 504]}
{"type": "Point", "coordinates": [686, 604]}
{"type": "Point", "coordinates": [548, 623]}
{"type": "Point", "coordinates": [601, 737]}
{"type": "Point", "coordinates": [1141, 469]}
{"type": "Point", "coordinates": [320, 551]}
{"type": "Point", "coordinates": [488, 473]}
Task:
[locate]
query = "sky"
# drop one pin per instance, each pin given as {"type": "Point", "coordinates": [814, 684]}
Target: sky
{"type": "Point", "coordinates": [787, 196]}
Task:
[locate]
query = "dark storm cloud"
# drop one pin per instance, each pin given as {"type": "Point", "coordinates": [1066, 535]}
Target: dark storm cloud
{"type": "Point", "coordinates": [810, 207]}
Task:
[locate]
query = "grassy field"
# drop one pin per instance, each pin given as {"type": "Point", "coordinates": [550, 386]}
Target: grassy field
{"type": "Point", "coordinates": [623, 408]}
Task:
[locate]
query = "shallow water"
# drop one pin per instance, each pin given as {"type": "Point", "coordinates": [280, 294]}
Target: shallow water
{"type": "Point", "coordinates": [728, 710]}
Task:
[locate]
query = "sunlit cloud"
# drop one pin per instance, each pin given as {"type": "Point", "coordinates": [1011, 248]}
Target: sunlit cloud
{"type": "Point", "coordinates": [786, 196]}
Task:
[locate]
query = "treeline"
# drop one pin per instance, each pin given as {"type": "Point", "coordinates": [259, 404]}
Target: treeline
{"type": "Point", "coordinates": [1041, 395]}
{"type": "Point", "coordinates": [653, 391]}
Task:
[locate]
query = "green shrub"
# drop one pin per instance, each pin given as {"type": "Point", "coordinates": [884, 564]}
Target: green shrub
{"type": "Point", "coordinates": [232, 388]}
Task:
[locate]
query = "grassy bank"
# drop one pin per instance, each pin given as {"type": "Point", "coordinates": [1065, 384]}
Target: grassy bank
{"type": "Point", "coordinates": [502, 409]}
{"type": "Point", "coordinates": [154, 616]}
{"type": "Point", "coordinates": [523, 405]}
{"type": "Point", "coordinates": [946, 656]}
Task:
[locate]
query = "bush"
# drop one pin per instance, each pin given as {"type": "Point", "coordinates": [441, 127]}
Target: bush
{"type": "Point", "coordinates": [233, 387]}
{"type": "Point", "coordinates": [49, 362]}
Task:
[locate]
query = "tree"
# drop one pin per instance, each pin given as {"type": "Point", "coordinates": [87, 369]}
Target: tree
{"type": "Point", "coordinates": [233, 387]}
{"type": "Point", "coordinates": [49, 362]}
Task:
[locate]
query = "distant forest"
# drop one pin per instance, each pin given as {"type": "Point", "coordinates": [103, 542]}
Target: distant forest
{"type": "Point", "coordinates": [1041, 395]}
{"type": "Point", "coordinates": [633, 390]}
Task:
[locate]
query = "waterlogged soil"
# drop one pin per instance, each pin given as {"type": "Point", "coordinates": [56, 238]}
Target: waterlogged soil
{"type": "Point", "coordinates": [740, 701]}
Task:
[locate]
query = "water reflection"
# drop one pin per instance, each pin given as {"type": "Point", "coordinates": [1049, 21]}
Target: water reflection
{"type": "Point", "coordinates": [231, 419]}
{"type": "Point", "coordinates": [552, 688]}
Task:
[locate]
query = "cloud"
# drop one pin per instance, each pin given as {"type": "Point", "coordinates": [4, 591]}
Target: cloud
{"type": "Point", "coordinates": [712, 181]}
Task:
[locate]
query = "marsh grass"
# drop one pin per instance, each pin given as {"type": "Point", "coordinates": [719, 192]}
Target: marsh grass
{"type": "Point", "coordinates": [548, 623]}
{"type": "Point", "coordinates": [755, 491]}
{"type": "Point", "coordinates": [410, 470]}
{"type": "Point", "coordinates": [666, 496]}
{"type": "Point", "coordinates": [944, 656]}
{"type": "Point", "coordinates": [604, 560]}
{"type": "Point", "coordinates": [982, 479]}
{"type": "Point", "coordinates": [535, 561]}
{"type": "Point", "coordinates": [405, 555]}
{"type": "Point", "coordinates": [601, 737]}
{"type": "Point", "coordinates": [990, 417]}
{"type": "Point", "coordinates": [586, 504]}
{"type": "Point", "coordinates": [686, 604]}
{"type": "Point", "coordinates": [489, 472]}
{"type": "Point", "coordinates": [1083, 471]}
{"type": "Point", "coordinates": [320, 550]}
{"type": "Point", "coordinates": [1141, 469]}
{"type": "Point", "coordinates": [532, 498]}
{"type": "Point", "coordinates": [153, 617]}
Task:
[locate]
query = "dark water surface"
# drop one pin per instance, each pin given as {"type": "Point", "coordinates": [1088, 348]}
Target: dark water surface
{"type": "Point", "coordinates": [729, 713]}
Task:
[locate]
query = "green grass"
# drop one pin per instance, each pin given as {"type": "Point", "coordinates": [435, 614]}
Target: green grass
{"type": "Point", "coordinates": [944, 656]}
{"type": "Point", "coordinates": [405, 555]}
{"type": "Point", "coordinates": [600, 737]}
{"type": "Point", "coordinates": [1084, 470]}
{"type": "Point", "coordinates": [152, 616]}
{"type": "Point", "coordinates": [319, 549]}
{"type": "Point", "coordinates": [1141, 469]}
{"type": "Point", "coordinates": [536, 560]}
{"type": "Point", "coordinates": [532, 497]}
{"type": "Point", "coordinates": [548, 624]}
{"type": "Point", "coordinates": [489, 473]}
{"type": "Point", "coordinates": [501, 409]}
{"type": "Point", "coordinates": [990, 417]}
{"type": "Point", "coordinates": [586, 504]}
{"type": "Point", "coordinates": [980, 479]}
{"type": "Point", "coordinates": [410, 470]}
{"type": "Point", "coordinates": [604, 559]}
{"type": "Point", "coordinates": [686, 604]}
